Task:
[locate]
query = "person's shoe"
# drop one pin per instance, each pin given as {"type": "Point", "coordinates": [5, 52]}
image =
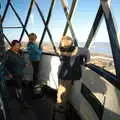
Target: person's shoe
{"type": "Point", "coordinates": [59, 108]}
{"type": "Point", "coordinates": [26, 105]}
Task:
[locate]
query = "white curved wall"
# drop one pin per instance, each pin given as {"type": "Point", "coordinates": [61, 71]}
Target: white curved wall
{"type": "Point", "coordinates": [48, 70]}
{"type": "Point", "coordinates": [105, 92]}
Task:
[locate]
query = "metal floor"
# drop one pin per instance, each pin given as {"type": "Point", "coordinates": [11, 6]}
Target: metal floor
{"type": "Point", "coordinates": [41, 107]}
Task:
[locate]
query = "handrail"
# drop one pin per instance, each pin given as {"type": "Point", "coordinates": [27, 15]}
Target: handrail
{"type": "Point", "coordinates": [111, 78]}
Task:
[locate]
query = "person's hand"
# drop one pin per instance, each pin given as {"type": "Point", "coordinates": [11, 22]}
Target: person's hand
{"type": "Point", "coordinates": [58, 52]}
{"type": "Point", "coordinates": [75, 51]}
{"type": "Point", "coordinates": [27, 65]}
{"type": "Point", "coordinates": [10, 76]}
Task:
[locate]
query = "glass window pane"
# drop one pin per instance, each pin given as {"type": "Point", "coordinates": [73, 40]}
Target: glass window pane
{"type": "Point", "coordinates": [57, 22]}
{"type": "Point", "coordinates": [44, 6]}
{"type": "Point", "coordinates": [12, 34]}
{"type": "Point", "coordinates": [101, 54]}
{"type": "Point", "coordinates": [11, 19]}
{"type": "Point", "coordinates": [35, 24]}
{"type": "Point", "coordinates": [47, 45]}
{"type": "Point", "coordinates": [2, 5]}
{"type": "Point", "coordinates": [115, 9]}
{"type": "Point", "coordinates": [21, 7]}
{"type": "Point", "coordinates": [83, 18]}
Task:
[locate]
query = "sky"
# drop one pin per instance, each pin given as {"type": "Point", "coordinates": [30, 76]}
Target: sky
{"type": "Point", "coordinates": [82, 19]}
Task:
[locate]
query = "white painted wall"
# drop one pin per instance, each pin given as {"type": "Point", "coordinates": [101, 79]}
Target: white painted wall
{"type": "Point", "coordinates": [48, 70]}
{"type": "Point", "coordinates": [102, 90]}
{"type": "Point", "coordinates": [97, 84]}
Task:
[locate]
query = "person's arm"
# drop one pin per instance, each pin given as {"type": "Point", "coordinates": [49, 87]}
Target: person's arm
{"type": "Point", "coordinates": [58, 52]}
{"type": "Point", "coordinates": [75, 51]}
{"type": "Point", "coordinates": [85, 53]}
{"type": "Point", "coordinates": [71, 53]}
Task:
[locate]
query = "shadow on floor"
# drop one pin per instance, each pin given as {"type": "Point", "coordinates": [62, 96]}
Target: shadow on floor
{"type": "Point", "coordinates": [41, 107]}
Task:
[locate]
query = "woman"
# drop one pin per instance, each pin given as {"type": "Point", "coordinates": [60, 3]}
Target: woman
{"type": "Point", "coordinates": [14, 64]}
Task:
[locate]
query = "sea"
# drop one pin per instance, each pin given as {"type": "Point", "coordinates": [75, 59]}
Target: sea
{"type": "Point", "coordinates": [96, 47]}
{"type": "Point", "coordinates": [99, 47]}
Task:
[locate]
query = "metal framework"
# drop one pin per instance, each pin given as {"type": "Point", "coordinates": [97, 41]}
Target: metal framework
{"type": "Point", "coordinates": [103, 12]}
{"type": "Point", "coordinates": [69, 22]}
{"type": "Point", "coordinates": [2, 44]}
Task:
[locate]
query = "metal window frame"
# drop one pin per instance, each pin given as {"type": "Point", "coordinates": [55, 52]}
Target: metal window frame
{"type": "Point", "coordinates": [103, 11]}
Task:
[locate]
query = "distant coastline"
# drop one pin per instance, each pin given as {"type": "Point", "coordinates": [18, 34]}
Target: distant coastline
{"type": "Point", "coordinates": [95, 48]}
{"type": "Point", "coordinates": [99, 48]}
{"type": "Point", "coordinates": [100, 56]}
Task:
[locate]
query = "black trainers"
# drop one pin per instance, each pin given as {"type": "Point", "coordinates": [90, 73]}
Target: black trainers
{"type": "Point", "coordinates": [59, 108]}
{"type": "Point", "coordinates": [58, 112]}
{"type": "Point", "coordinates": [25, 105]}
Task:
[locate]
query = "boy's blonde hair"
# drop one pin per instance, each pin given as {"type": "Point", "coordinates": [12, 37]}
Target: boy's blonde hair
{"type": "Point", "coordinates": [32, 36]}
{"type": "Point", "coordinates": [68, 39]}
